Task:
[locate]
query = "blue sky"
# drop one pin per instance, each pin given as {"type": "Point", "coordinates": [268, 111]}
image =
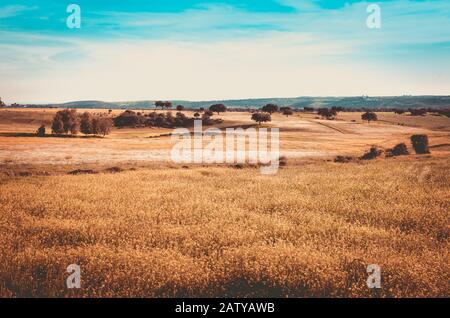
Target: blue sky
{"type": "Point", "coordinates": [189, 49]}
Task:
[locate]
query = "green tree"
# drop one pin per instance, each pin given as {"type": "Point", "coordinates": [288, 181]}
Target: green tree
{"type": "Point", "coordinates": [270, 108]}
{"type": "Point", "coordinates": [369, 116]}
{"type": "Point", "coordinates": [218, 108]}
{"type": "Point", "coordinates": [261, 117]}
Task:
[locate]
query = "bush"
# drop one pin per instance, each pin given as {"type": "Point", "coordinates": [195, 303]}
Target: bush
{"type": "Point", "coordinates": [41, 131]}
{"type": "Point", "coordinates": [343, 159]}
{"type": "Point", "coordinates": [373, 153]}
{"type": "Point", "coordinates": [420, 144]}
{"type": "Point", "coordinates": [399, 150]}
{"type": "Point", "coordinates": [282, 161]}
{"type": "Point", "coordinates": [180, 107]}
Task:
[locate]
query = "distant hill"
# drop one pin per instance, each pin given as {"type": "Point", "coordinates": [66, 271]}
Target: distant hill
{"type": "Point", "coordinates": [296, 102]}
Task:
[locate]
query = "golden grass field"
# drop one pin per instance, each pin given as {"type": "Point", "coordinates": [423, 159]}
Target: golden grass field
{"type": "Point", "coordinates": [158, 229]}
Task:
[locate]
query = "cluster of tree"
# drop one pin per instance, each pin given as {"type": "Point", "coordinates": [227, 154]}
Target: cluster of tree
{"type": "Point", "coordinates": [2, 104]}
{"type": "Point", "coordinates": [163, 105]}
{"type": "Point", "coordinates": [261, 117]}
{"type": "Point", "coordinates": [68, 121]}
{"type": "Point", "coordinates": [95, 125]}
{"type": "Point", "coordinates": [328, 113]}
{"type": "Point", "coordinates": [130, 118]}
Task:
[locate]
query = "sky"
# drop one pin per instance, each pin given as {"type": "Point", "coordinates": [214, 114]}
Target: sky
{"type": "Point", "coordinates": [210, 50]}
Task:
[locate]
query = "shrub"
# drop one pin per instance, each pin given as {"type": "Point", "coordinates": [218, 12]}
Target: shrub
{"type": "Point", "coordinates": [420, 144]}
{"type": "Point", "coordinates": [369, 116]}
{"type": "Point", "coordinates": [282, 161]}
{"type": "Point", "coordinates": [114, 169]}
{"type": "Point", "coordinates": [180, 107]}
{"type": "Point", "coordinates": [399, 150]}
{"type": "Point", "coordinates": [41, 131]}
{"type": "Point", "coordinates": [373, 153]}
{"type": "Point", "coordinates": [82, 171]}
{"type": "Point", "coordinates": [343, 159]}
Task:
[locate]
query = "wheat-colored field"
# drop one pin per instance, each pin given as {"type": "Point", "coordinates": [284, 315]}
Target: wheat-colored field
{"type": "Point", "coordinates": [308, 231]}
{"type": "Point", "coordinates": [158, 229]}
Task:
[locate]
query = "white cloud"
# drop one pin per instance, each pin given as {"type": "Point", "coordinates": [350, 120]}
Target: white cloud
{"type": "Point", "coordinates": [14, 10]}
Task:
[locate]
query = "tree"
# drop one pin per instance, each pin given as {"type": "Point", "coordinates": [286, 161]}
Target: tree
{"type": "Point", "coordinates": [399, 111]}
{"type": "Point", "coordinates": [287, 111]}
{"type": "Point", "coordinates": [369, 116]}
{"type": "Point", "coordinates": [327, 113]}
{"type": "Point", "coordinates": [57, 126]}
{"type": "Point", "coordinates": [86, 123]}
{"type": "Point", "coordinates": [167, 105]}
{"type": "Point", "coordinates": [102, 125]}
{"type": "Point", "coordinates": [69, 120]}
{"type": "Point", "coordinates": [180, 107]}
{"type": "Point", "coordinates": [420, 144]}
{"type": "Point", "coordinates": [261, 117]}
{"type": "Point", "coordinates": [159, 104]}
{"type": "Point", "coordinates": [41, 131]}
{"type": "Point", "coordinates": [218, 108]}
{"type": "Point", "coordinates": [128, 119]}
{"type": "Point", "coordinates": [270, 108]}
{"type": "Point", "coordinates": [2, 104]}
{"type": "Point", "coordinates": [196, 115]}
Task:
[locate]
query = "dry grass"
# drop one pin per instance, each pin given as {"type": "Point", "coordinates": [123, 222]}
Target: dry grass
{"type": "Point", "coordinates": [308, 231]}
{"type": "Point", "coordinates": [302, 136]}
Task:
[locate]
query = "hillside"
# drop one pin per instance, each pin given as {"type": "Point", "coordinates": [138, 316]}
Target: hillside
{"type": "Point", "coordinates": [296, 102]}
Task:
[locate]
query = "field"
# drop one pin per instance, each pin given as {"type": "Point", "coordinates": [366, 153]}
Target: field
{"type": "Point", "coordinates": [158, 229]}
